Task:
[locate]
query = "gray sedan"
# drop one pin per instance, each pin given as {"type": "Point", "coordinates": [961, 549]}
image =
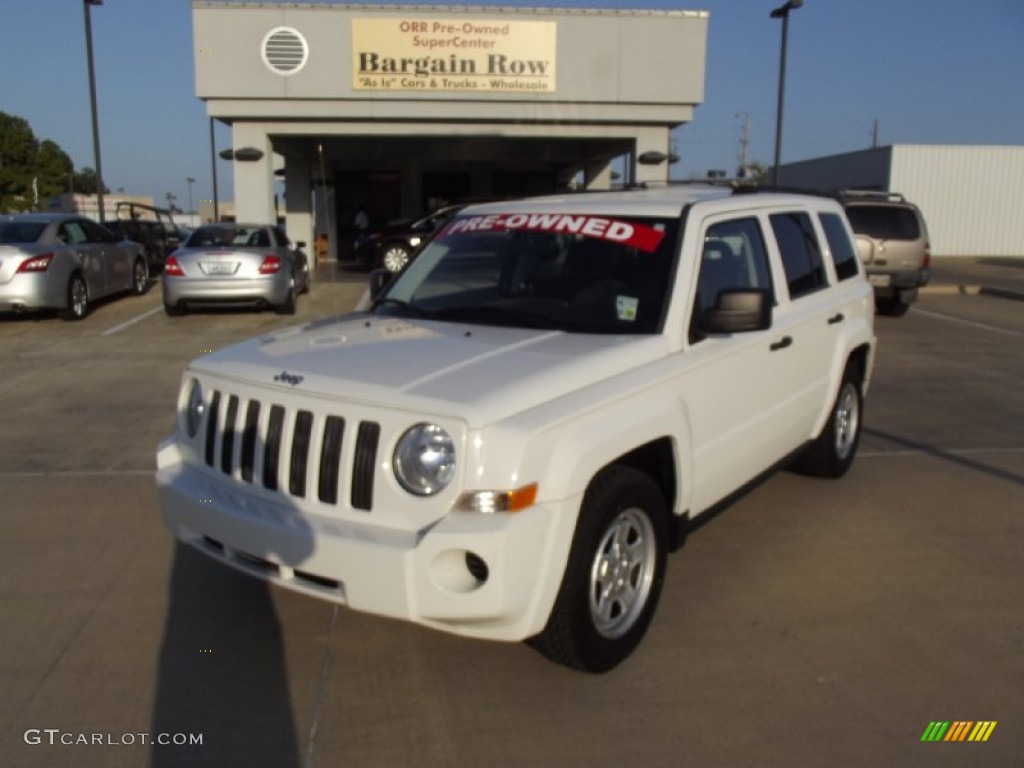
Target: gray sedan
{"type": "Point", "coordinates": [225, 264]}
{"type": "Point", "coordinates": [64, 262]}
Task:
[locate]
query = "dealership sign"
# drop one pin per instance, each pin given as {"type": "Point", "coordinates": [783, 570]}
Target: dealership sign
{"type": "Point", "coordinates": [638, 236]}
{"type": "Point", "coordinates": [417, 54]}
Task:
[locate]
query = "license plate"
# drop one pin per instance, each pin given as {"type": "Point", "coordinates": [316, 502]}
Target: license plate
{"type": "Point", "coordinates": [219, 267]}
{"type": "Point", "coordinates": [882, 281]}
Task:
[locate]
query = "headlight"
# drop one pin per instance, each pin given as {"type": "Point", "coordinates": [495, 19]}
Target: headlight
{"type": "Point", "coordinates": [194, 408]}
{"type": "Point", "coordinates": [424, 459]}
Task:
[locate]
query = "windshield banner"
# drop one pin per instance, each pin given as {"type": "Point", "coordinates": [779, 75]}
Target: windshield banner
{"type": "Point", "coordinates": [627, 233]}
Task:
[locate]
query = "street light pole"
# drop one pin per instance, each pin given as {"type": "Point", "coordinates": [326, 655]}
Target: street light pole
{"type": "Point", "coordinates": [190, 181]}
{"type": "Point", "coordinates": [782, 12]}
{"type": "Point", "coordinates": [92, 102]}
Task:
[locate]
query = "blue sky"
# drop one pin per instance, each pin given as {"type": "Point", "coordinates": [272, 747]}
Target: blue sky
{"type": "Point", "coordinates": [929, 71]}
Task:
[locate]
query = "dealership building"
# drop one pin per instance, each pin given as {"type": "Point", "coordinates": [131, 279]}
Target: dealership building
{"type": "Point", "coordinates": [393, 110]}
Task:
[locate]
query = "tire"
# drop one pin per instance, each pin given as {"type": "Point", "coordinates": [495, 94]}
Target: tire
{"type": "Point", "coordinates": [172, 311]}
{"type": "Point", "coordinates": [891, 306]}
{"type": "Point", "coordinates": [78, 299]}
{"type": "Point", "coordinates": [289, 306]}
{"type": "Point", "coordinates": [140, 277]}
{"type": "Point", "coordinates": [614, 574]}
{"type": "Point", "coordinates": [833, 451]}
{"type": "Point", "coordinates": [394, 258]}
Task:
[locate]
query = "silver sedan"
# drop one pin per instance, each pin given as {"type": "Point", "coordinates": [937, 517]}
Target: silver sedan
{"type": "Point", "coordinates": [64, 262]}
{"type": "Point", "coordinates": [225, 264]}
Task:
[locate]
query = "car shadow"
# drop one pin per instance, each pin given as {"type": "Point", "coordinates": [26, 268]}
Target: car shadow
{"type": "Point", "coordinates": [953, 458]}
{"type": "Point", "coordinates": [221, 672]}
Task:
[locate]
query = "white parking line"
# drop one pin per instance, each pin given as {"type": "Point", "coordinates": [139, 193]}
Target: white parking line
{"type": "Point", "coordinates": [879, 453]}
{"type": "Point", "coordinates": [80, 473]}
{"type": "Point", "coordinates": [126, 323]}
{"type": "Point", "coordinates": [983, 326]}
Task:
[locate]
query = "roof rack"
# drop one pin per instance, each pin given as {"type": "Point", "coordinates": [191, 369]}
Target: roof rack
{"type": "Point", "coordinates": [872, 194]}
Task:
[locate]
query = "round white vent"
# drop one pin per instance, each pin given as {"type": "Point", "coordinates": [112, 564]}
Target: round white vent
{"type": "Point", "coordinates": [284, 50]}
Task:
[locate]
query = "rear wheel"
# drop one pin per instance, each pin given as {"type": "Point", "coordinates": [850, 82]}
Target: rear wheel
{"type": "Point", "coordinates": [832, 453]}
{"type": "Point", "coordinates": [78, 299]}
{"type": "Point", "coordinates": [140, 277]}
{"type": "Point", "coordinates": [893, 306]}
{"type": "Point", "coordinates": [614, 574]}
{"type": "Point", "coordinates": [174, 311]}
{"type": "Point", "coordinates": [289, 306]}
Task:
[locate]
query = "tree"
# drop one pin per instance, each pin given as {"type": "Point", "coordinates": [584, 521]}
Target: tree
{"type": "Point", "coordinates": [29, 167]}
{"type": "Point", "coordinates": [18, 150]}
{"type": "Point", "coordinates": [85, 182]}
{"type": "Point", "coordinates": [54, 169]}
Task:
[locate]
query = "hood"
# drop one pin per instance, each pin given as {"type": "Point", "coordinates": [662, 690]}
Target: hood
{"type": "Point", "coordinates": [481, 374]}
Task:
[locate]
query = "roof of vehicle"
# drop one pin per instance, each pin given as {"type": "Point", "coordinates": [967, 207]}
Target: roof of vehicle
{"type": "Point", "coordinates": [41, 217]}
{"type": "Point", "coordinates": [234, 225]}
{"type": "Point", "coordinates": [649, 201]}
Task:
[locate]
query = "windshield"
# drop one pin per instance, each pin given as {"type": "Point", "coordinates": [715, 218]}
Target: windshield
{"type": "Point", "coordinates": [576, 273]}
{"type": "Point", "coordinates": [228, 235]}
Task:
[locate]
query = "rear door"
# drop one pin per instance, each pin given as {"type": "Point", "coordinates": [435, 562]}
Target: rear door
{"type": "Point", "coordinates": [808, 321]}
{"type": "Point", "coordinates": [115, 261]}
{"type": "Point", "coordinates": [87, 255]}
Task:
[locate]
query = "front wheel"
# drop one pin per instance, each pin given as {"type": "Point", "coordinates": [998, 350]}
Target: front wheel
{"type": "Point", "coordinates": [614, 574]}
{"type": "Point", "coordinates": [394, 258]}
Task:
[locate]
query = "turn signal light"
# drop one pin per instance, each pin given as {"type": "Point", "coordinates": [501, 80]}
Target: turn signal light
{"type": "Point", "coordinates": [489, 502]}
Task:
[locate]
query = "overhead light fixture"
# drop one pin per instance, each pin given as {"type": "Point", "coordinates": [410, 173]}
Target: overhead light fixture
{"type": "Point", "coordinates": [248, 154]}
{"type": "Point", "coordinates": [652, 157]}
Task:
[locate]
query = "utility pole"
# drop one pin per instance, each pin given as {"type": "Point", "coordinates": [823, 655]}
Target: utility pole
{"type": "Point", "coordinates": [92, 103]}
{"type": "Point", "coordinates": [874, 134]}
{"type": "Point", "coordinates": [744, 142]}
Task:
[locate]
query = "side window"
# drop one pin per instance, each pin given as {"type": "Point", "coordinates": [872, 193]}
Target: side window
{"type": "Point", "coordinates": [71, 232]}
{"type": "Point", "coordinates": [95, 233]}
{"type": "Point", "coordinates": [801, 256]}
{"type": "Point", "coordinates": [843, 254]}
{"type": "Point", "coordinates": [734, 258]}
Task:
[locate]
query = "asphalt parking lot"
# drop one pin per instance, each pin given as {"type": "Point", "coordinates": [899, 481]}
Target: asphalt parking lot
{"type": "Point", "coordinates": [813, 623]}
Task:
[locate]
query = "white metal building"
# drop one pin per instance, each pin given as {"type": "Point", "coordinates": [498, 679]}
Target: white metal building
{"type": "Point", "coordinates": [972, 197]}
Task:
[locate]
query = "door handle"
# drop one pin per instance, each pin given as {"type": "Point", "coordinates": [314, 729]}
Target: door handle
{"type": "Point", "coordinates": [837, 318]}
{"type": "Point", "coordinates": [782, 343]}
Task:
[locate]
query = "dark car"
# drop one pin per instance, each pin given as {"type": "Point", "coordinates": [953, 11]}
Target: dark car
{"type": "Point", "coordinates": [391, 246]}
{"type": "Point", "coordinates": [152, 228]}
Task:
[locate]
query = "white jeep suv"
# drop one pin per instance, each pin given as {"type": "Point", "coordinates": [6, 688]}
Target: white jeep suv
{"type": "Point", "coordinates": [510, 440]}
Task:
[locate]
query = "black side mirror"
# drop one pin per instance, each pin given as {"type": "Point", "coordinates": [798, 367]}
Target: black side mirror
{"type": "Point", "coordinates": [379, 280]}
{"type": "Point", "coordinates": [737, 311]}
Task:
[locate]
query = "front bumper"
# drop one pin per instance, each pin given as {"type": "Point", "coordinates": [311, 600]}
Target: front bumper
{"type": "Point", "coordinates": [487, 576]}
{"type": "Point", "coordinates": [272, 290]}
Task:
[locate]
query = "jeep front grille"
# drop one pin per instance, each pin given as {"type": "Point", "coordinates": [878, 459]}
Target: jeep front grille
{"type": "Point", "coordinates": [248, 439]}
